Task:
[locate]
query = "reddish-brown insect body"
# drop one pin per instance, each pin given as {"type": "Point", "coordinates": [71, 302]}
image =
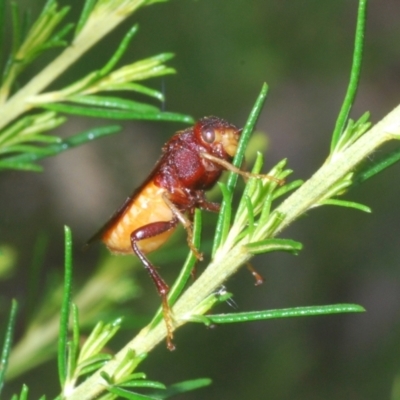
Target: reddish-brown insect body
{"type": "Point", "coordinates": [191, 163]}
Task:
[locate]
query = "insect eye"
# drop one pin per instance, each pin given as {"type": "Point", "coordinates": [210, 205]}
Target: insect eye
{"type": "Point", "coordinates": [208, 135]}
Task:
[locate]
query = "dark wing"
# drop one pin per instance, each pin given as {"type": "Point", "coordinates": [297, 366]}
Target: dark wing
{"type": "Point", "coordinates": [121, 210]}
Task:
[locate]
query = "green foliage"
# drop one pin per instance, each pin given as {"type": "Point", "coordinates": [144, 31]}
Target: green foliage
{"type": "Point", "coordinates": [224, 217]}
{"type": "Point", "coordinates": [65, 308]}
{"type": "Point", "coordinates": [27, 46]}
{"type": "Point", "coordinates": [22, 137]}
{"type": "Point", "coordinates": [89, 358]}
{"type": "Point", "coordinates": [181, 387]}
{"type": "Point", "coordinates": [380, 164]}
{"type": "Point", "coordinates": [24, 394]}
{"type": "Point", "coordinates": [280, 313]}
{"type": "Point", "coordinates": [26, 136]}
{"type": "Point", "coordinates": [354, 76]}
{"type": "Point", "coordinates": [86, 12]}
{"type": "Point", "coordinates": [26, 161]}
{"type": "Point", "coordinates": [249, 228]}
{"type": "Point", "coordinates": [6, 349]}
{"type": "Point", "coordinates": [75, 361]}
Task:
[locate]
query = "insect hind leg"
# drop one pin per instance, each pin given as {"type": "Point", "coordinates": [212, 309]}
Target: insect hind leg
{"type": "Point", "coordinates": [146, 232]}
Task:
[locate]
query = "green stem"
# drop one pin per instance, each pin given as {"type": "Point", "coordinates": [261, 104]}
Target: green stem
{"type": "Point", "coordinates": [315, 188]}
{"type": "Point", "coordinates": [227, 263]}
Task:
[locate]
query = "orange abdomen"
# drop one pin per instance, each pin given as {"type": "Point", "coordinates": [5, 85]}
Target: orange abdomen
{"type": "Point", "coordinates": [147, 207]}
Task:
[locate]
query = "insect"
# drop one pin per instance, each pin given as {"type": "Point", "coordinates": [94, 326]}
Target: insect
{"type": "Point", "coordinates": [191, 163]}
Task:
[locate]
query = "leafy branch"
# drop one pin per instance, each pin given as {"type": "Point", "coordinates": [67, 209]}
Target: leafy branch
{"type": "Point", "coordinates": [27, 135]}
{"type": "Point", "coordinates": [253, 231]}
{"type": "Point", "coordinates": [256, 224]}
{"type": "Point", "coordinates": [98, 18]}
{"type": "Point", "coordinates": [265, 209]}
{"type": "Point", "coordinates": [40, 37]}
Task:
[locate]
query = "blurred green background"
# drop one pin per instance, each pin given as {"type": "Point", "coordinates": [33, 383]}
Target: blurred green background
{"type": "Point", "coordinates": [224, 51]}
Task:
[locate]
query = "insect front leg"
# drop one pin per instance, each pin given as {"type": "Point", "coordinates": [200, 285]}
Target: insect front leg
{"type": "Point", "coordinates": [146, 232]}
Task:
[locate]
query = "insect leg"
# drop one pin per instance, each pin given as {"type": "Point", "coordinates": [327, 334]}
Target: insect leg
{"type": "Point", "coordinates": [146, 232]}
{"type": "Point", "coordinates": [259, 279]}
{"type": "Point", "coordinates": [187, 224]}
{"type": "Point", "coordinates": [204, 204]}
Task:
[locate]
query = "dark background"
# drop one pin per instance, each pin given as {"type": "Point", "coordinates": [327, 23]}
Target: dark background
{"type": "Point", "coordinates": [224, 51]}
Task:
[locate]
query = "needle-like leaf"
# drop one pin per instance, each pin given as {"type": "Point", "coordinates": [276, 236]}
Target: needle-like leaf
{"type": "Point", "coordinates": [285, 313]}
{"type": "Point", "coordinates": [65, 309]}
{"type": "Point", "coordinates": [354, 74]}
{"type": "Point", "coordinates": [6, 349]}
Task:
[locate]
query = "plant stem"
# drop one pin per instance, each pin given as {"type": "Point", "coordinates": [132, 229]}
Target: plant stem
{"type": "Point", "coordinates": [224, 265]}
{"type": "Point", "coordinates": [313, 190]}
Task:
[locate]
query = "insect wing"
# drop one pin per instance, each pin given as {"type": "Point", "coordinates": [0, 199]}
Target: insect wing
{"type": "Point", "coordinates": [127, 203]}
